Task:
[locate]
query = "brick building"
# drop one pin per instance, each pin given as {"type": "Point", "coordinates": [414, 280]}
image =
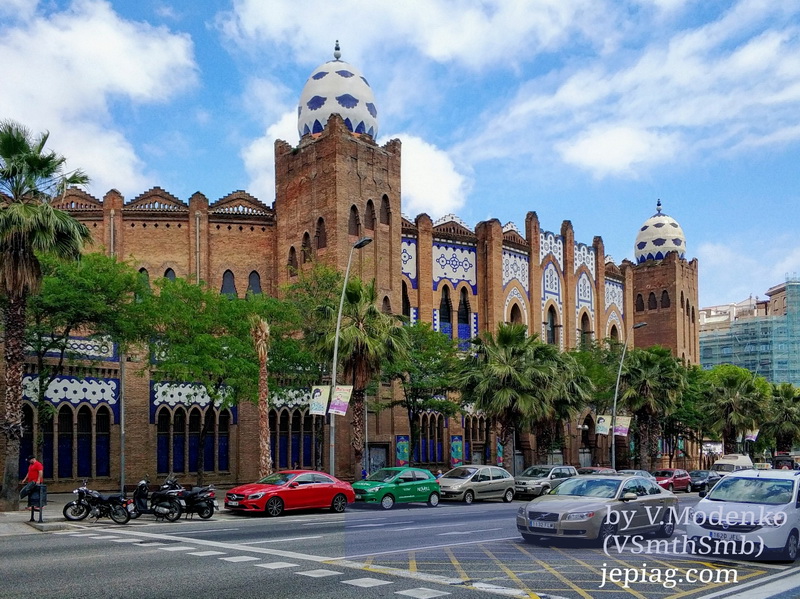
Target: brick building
{"type": "Point", "coordinates": [336, 186]}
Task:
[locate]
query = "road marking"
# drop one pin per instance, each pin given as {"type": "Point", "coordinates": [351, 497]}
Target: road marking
{"type": "Point", "coordinates": [770, 585]}
{"type": "Point", "coordinates": [206, 553]}
{"type": "Point", "coordinates": [428, 527]}
{"type": "Point", "coordinates": [319, 573]}
{"type": "Point", "coordinates": [457, 565]}
{"type": "Point", "coordinates": [510, 573]}
{"type": "Point", "coordinates": [239, 558]}
{"type": "Point", "coordinates": [104, 537]}
{"type": "Point", "coordinates": [597, 571]}
{"type": "Point", "coordinates": [466, 532]}
{"type": "Point", "coordinates": [366, 583]}
{"type": "Point", "coordinates": [281, 540]}
{"type": "Point", "coordinates": [125, 540]}
{"type": "Point", "coordinates": [555, 573]}
{"type": "Point", "coordinates": [177, 548]}
{"type": "Point", "coordinates": [426, 548]}
{"type": "Point", "coordinates": [337, 521]}
{"type": "Point", "coordinates": [422, 593]}
{"type": "Point", "coordinates": [277, 565]}
{"type": "Point", "coordinates": [191, 532]}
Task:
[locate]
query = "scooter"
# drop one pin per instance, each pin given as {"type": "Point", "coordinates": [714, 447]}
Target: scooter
{"type": "Point", "coordinates": [163, 503]}
{"type": "Point", "coordinates": [198, 500]}
{"type": "Point", "coordinates": [91, 503]}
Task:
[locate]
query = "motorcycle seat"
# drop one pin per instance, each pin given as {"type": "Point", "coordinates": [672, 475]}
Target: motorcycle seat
{"type": "Point", "coordinates": [113, 496]}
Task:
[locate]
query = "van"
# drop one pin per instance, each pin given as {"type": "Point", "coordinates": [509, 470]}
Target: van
{"type": "Point", "coordinates": [733, 462]}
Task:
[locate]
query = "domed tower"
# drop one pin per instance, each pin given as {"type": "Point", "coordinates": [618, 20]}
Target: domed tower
{"type": "Point", "coordinates": [338, 185]}
{"type": "Point", "coordinates": [665, 288]}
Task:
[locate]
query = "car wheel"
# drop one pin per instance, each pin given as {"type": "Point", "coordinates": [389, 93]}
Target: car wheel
{"type": "Point", "coordinates": [545, 490]}
{"type": "Point", "coordinates": [606, 530]}
{"type": "Point", "coordinates": [790, 550]}
{"type": "Point", "coordinates": [671, 488]}
{"type": "Point", "coordinates": [687, 489]}
{"type": "Point", "coordinates": [469, 497]}
{"type": "Point", "coordinates": [433, 500]}
{"type": "Point", "coordinates": [667, 528]}
{"type": "Point", "coordinates": [509, 496]}
{"type": "Point", "coordinates": [274, 506]}
{"type": "Point", "coordinates": [387, 502]}
{"type": "Point", "coordinates": [339, 504]}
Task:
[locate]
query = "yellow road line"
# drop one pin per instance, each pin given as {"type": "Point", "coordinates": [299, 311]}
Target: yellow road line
{"type": "Point", "coordinates": [412, 562]}
{"type": "Point", "coordinates": [512, 575]}
{"type": "Point", "coordinates": [636, 594]}
{"type": "Point", "coordinates": [555, 573]}
{"type": "Point", "coordinates": [461, 572]}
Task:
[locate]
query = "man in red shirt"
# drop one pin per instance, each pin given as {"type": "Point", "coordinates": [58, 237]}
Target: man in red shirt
{"type": "Point", "coordinates": [35, 471]}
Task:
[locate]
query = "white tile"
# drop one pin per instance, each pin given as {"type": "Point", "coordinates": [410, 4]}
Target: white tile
{"type": "Point", "coordinates": [319, 573]}
{"type": "Point", "coordinates": [178, 548]}
{"type": "Point", "coordinates": [130, 540]}
{"type": "Point", "coordinates": [422, 593]}
{"type": "Point", "coordinates": [239, 558]}
{"type": "Point", "coordinates": [367, 582]}
{"type": "Point", "coordinates": [277, 565]}
{"type": "Point", "coordinates": [207, 553]}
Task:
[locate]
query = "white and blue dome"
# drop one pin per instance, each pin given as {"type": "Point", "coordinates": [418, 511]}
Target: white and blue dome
{"type": "Point", "coordinates": [660, 235]}
{"type": "Point", "coordinates": [337, 87]}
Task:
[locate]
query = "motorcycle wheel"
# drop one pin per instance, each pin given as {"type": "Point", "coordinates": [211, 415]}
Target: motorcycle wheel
{"type": "Point", "coordinates": [174, 511]}
{"type": "Point", "coordinates": [205, 511]}
{"type": "Point", "coordinates": [76, 510]}
{"type": "Point", "coordinates": [119, 514]}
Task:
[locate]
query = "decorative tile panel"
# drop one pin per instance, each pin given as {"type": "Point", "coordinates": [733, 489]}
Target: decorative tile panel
{"type": "Point", "coordinates": [75, 391]}
{"type": "Point", "coordinates": [584, 292]}
{"type": "Point", "coordinates": [88, 348]}
{"type": "Point", "coordinates": [408, 259]}
{"type": "Point", "coordinates": [515, 266]}
{"type": "Point", "coordinates": [550, 243]}
{"type": "Point", "coordinates": [516, 294]}
{"type": "Point", "coordinates": [181, 394]}
{"type": "Point", "coordinates": [414, 315]}
{"type": "Point", "coordinates": [474, 324]}
{"type": "Point", "coordinates": [615, 293]}
{"type": "Point", "coordinates": [455, 263]}
{"type": "Point", "coordinates": [584, 256]}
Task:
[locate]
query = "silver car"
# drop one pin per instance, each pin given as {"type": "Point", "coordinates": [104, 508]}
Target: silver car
{"type": "Point", "coordinates": [538, 480]}
{"type": "Point", "coordinates": [474, 482]}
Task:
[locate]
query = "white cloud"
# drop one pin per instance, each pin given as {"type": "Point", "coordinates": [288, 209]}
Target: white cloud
{"type": "Point", "coordinates": [68, 67]}
{"type": "Point", "coordinates": [259, 156]}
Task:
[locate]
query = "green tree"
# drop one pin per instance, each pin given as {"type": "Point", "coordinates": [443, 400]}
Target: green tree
{"type": "Point", "coordinates": [30, 227]}
{"type": "Point", "coordinates": [505, 381]}
{"type": "Point", "coordinates": [651, 383]}
{"type": "Point", "coordinates": [739, 402]}
{"type": "Point", "coordinates": [784, 420]}
{"type": "Point", "coordinates": [368, 338]}
{"type": "Point", "coordinates": [427, 372]}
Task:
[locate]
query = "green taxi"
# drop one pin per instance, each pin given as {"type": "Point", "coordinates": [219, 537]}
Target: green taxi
{"type": "Point", "coordinates": [388, 486]}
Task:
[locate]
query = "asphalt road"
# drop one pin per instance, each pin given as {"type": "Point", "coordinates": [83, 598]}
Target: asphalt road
{"type": "Point", "coordinates": [453, 550]}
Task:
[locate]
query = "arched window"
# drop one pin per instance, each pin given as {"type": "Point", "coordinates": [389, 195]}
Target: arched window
{"type": "Point", "coordinates": [692, 314]}
{"type": "Point", "coordinates": [321, 234]}
{"type": "Point", "coordinates": [223, 441]}
{"type": "Point", "coordinates": [464, 314]}
{"type": "Point", "coordinates": [179, 440]}
{"type": "Point", "coordinates": [254, 283]}
{"type": "Point", "coordinates": [586, 331]}
{"type": "Point", "coordinates": [665, 299]}
{"type": "Point", "coordinates": [144, 277]}
{"type": "Point", "coordinates": [369, 216]}
{"type": "Point", "coordinates": [551, 326]}
{"type": "Point", "coordinates": [353, 225]}
{"type": "Point", "coordinates": [169, 274]}
{"type": "Point", "coordinates": [431, 441]}
{"type": "Point", "coordinates": [306, 248]}
{"type": "Point", "coordinates": [292, 261]}
{"type": "Point", "coordinates": [102, 441]}
{"type": "Point", "coordinates": [446, 313]}
{"type": "Point", "coordinates": [639, 303]}
{"type": "Point", "coordinates": [195, 424]}
{"type": "Point", "coordinates": [387, 305]}
{"type": "Point", "coordinates": [85, 442]}
{"type": "Point", "coordinates": [65, 442]}
{"type": "Point", "coordinates": [406, 302]}
{"type": "Point", "coordinates": [515, 316]}
{"type": "Point", "coordinates": [228, 284]}
{"type": "Point", "coordinates": [614, 333]}
{"type": "Point", "coordinates": [163, 425]}
{"type": "Point", "coordinates": [476, 449]}
{"type": "Point", "coordinates": [386, 215]}
{"type": "Point", "coordinates": [651, 301]}
{"type": "Point", "coordinates": [682, 301]}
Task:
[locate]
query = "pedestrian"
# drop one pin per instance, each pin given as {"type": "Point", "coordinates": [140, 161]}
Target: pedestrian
{"type": "Point", "coordinates": [439, 474]}
{"type": "Point", "coordinates": [34, 477]}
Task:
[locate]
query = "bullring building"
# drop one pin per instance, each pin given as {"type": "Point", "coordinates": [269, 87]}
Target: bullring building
{"type": "Point", "coordinates": [336, 186]}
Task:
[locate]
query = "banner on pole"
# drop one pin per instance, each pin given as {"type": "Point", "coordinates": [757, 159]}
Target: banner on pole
{"type": "Point", "coordinates": [622, 426]}
{"type": "Point", "coordinates": [319, 400]}
{"type": "Point", "coordinates": [456, 450]}
{"type": "Point", "coordinates": [603, 425]}
{"type": "Point", "coordinates": [340, 400]}
{"type": "Point", "coordinates": [751, 435]}
{"type": "Point", "coordinates": [401, 450]}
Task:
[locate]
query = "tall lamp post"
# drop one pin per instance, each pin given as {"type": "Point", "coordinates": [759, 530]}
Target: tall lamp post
{"type": "Point", "coordinates": [332, 431]}
{"type": "Point", "coordinates": [616, 395]}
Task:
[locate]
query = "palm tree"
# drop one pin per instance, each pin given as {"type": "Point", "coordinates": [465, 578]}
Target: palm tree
{"type": "Point", "coordinates": [651, 382]}
{"type": "Point", "coordinates": [739, 403]}
{"type": "Point", "coordinates": [367, 337]}
{"type": "Point", "coordinates": [505, 379]}
{"type": "Point", "coordinates": [30, 178]}
{"type": "Point", "coordinates": [784, 422]}
{"type": "Point", "coordinates": [259, 329]}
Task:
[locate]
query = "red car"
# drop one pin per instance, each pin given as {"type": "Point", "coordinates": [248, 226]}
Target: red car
{"type": "Point", "coordinates": [291, 490]}
{"type": "Point", "coordinates": [673, 479]}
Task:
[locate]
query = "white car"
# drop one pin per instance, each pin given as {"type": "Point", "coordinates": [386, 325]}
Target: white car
{"type": "Point", "coordinates": [751, 512]}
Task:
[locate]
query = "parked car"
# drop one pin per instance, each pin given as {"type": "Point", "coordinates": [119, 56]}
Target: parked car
{"type": "Point", "coordinates": [703, 480]}
{"type": "Point", "coordinates": [748, 512]}
{"type": "Point", "coordinates": [596, 470]}
{"type": "Point", "coordinates": [473, 483]}
{"type": "Point", "coordinates": [673, 479]}
{"type": "Point", "coordinates": [732, 462]}
{"type": "Point", "coordinates": [580, 508]}
{"type": "Point", "coordinates": [538, 480]}
{"type": "Point", "coordinates": [642, 473]}
{"type": "Point", "coordinates": [388, 486]}
{"type": "Point", "coordinates": [291, 490]}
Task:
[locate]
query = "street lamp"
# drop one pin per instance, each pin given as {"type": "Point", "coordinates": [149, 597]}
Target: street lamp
{"type": "Point", "coordinates": [332, 441]}
{"type": "Point", "coordinates": [616, 394]}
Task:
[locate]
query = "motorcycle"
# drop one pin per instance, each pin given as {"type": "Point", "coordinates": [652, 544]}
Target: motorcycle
{"type": "Point", "coordinates": [198, 500]}
{"type": "Point", "coordinates": [94, 504]}
{"type": "Point", "coordinates": [163, 503]}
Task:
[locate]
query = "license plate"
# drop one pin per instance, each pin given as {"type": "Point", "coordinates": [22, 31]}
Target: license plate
{"type": "Point", "coordinates": [233, 503]}
{"type": "Point", "coordinates": [518, 488]}
{"type": "Point", "coordinates": [183, 503]}
{"type": "Point", "coordinates": [541, 524]}
{"type": "Point", "coordinates": [131, 507]}
{"type": "Point", "coordinates": [727, 536]}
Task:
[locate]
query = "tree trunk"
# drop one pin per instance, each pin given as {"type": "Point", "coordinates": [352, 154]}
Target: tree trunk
{"type": "Point", "coordinates": [357, 441]}
{"type": "Point", "coordinates": [504, 437]}
{"type": "Point", "coordinates": [264, 446]}
{"type": "Point", "coordinates": [12, 422]}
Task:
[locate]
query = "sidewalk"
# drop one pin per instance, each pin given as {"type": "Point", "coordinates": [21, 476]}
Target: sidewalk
{"type": "Point", "coordinates": [17, 523]}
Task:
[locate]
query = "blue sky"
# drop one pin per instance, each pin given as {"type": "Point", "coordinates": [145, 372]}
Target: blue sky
{"type": "Point", "coordinates": [586, 110]}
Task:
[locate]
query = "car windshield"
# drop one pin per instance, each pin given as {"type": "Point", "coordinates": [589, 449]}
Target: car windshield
{"type": "Point", "coordinates": [460, 473]}
{"type": "Point", "coordinates": [279, 478]}
{"type": "Point", "coordinates": [383, 475]}
{"type": "Point", "coordinates": [699, 473]}
{"type": "Point", "coordinates": [723, 467]}
{"type": "Point", "coordinates": [665, 473]}
{"type": "Point", "coordinates": [633, 472]}
{"type": "Point", "coordinates": [536, 472]}
{"type": "Point", "coordinates": [583, 487]}
{"type": "Point", "coordinates": [587, 470]}
{"type": "Point", "coordinates": [768, 491]}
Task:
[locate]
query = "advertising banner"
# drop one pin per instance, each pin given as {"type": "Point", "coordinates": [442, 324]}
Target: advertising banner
{"type": "Point", "coordinates": [622, 426]}
{"type": "Point", "coordinates": [499, 454]}
{"type": "Point", "coordinates": [340, 400]}
{"type": "Point", "coordinates": [603, 425]}
{"type": "Point", "coordinates": [401, 450]}
{"type": "Point", "coordinates": [456, 450]}
{"type": "Point", "coordinates": [751, 435]}
{"type": "Point", "coordinates": [319, 400]}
